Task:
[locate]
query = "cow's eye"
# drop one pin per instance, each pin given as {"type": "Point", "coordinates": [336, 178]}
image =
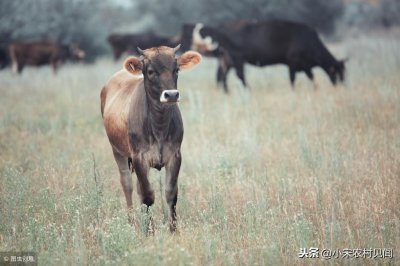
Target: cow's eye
{"type": "Point", "coordinates": [176, 71]}
{"type": "Point", "coordinates": [150, 72]}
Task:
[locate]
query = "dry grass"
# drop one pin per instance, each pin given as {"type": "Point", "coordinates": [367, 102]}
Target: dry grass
{"type": "Point", "coordinates": [264, 173]}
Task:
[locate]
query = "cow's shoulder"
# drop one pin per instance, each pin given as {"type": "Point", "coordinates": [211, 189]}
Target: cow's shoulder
{"type": "Point", "coordinates": [117, 93]}
{"type": "Point", "coordinates": [116, 97]}
{"type": "Point", "coordinates": [121, 84]}
{"type": "Point", "coordinates": [124, 80]}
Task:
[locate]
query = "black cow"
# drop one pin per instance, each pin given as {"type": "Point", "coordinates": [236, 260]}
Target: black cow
{"type": "Point", "coordinates": [127, 43]}
{"type": "Point", "coordinates": [263, 43]}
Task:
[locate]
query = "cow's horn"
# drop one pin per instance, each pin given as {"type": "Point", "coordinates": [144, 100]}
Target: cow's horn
{"type": "Point", "coordinates": [140, 51]}
{"type": "Point", "coordinates": [177, 48]}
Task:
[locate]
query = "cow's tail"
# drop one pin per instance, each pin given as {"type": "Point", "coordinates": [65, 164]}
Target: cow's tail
{"type": "Point", "coordinates": [13, 57]}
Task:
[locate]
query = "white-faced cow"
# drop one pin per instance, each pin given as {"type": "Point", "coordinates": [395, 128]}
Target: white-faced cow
{"type": "Point", "coordinates": [39, 53]}
{"type": "Point", "coordinates": [263, 43]}
{"type": "Point", "coordinates": [143, 121]}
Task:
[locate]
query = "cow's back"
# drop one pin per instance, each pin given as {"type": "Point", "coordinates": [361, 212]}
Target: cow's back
{"type": "Point", "coordinates": [297, 41]}
{"type": "Point", "coordinates": [116, 97]}
{"type": "Point", "coordinates": [270, 42]}
{"type": "Point", "coordinates": [34, 53]}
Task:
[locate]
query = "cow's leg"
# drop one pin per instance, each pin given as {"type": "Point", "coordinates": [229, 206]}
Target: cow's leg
{"type": "Point", "coordinates": [224, 77]}
{"type": "Point", "coordinates": [222, 73]}
{"type": "Point", "coordinates": [221, 78]}
{"type": "Point", "coordinates": [145, 191]}
{"type": "Point", "coordinates": [219, 75]}
{"type": "Point", "coordinates": [310, 75]}
{"type": "Point", "coordinates": [20, 68]}
{"type": "Point", "coordinates": [171, 188]}
{"type": "Point", "coordinates": [54, 65]}
{"type": "Point", "coordinates": [240, 73]}
{"type": "Point", "coordinates": [14, 60]}
{"type": "Point", "coordinates": [125, 177]}
{"type": "Point", "coordinates": [15, 67]}
{"type": "Point", "coordinates": [292, 76]}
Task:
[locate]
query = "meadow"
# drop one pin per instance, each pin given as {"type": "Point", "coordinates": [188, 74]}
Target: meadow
{"type": "Point", "coordinates": [264, 173]}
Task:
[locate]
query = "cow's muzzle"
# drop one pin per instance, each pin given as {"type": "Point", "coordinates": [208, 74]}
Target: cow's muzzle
{"type": "Point", "coordinates": [170, 96]}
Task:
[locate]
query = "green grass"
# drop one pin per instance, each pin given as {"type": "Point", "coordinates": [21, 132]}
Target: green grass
{"type": "Point", "coordinates": [264, 173]}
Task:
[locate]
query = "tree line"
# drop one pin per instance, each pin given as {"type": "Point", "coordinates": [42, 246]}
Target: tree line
{"type": "Point", "coordinates": [89, 22]}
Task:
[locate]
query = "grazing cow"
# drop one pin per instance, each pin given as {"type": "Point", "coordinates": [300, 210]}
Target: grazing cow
{"type": "Point", "coordinates": [143, 121]}
{"type": "Point", "coordinates": [263, 43]}
{"type": "Point", "coordinates": [127, 43]}
{"type": "Point", "coordinates": [40, 53]}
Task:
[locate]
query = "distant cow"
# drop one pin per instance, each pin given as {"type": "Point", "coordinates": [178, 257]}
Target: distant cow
{"type": "Point", "coordinates": [264, 43]}
{"type": "Point", "coordinates": [127, 43]}
{"type": "Point", "coordinates": [143, 121]}
{"type": "Point", "coordinates": [40, 53]}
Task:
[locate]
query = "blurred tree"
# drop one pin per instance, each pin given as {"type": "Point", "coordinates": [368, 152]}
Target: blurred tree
{"type": "Point", "coordinates": [170, 14]}
{"type": "Point", "coordinates": [390, 12]}
{"type": "Point", "coordinates": [366, 15]}
{"type": "Point", "coordinates": [85, 22]}
{"type": "Point", "coordinates": [89, 22]}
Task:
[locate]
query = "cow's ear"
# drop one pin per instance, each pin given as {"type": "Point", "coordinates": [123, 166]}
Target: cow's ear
{"type": "Point", "coordinates": [133, 65]}
{"type": "Point", "coordinates": [188, 60]}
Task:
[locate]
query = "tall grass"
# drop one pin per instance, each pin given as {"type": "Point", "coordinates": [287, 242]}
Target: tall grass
{"type": "Point", "coordinates": [264, 173]}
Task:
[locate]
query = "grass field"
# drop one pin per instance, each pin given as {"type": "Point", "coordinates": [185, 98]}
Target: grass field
{"type": "Point", "coordinates": [264, 174]}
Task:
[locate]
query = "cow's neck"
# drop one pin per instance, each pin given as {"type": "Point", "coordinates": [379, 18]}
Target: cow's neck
{"type": "Point", "coordinates": [160, 117]}
{"type": "Point", "coordinates": [326, 60]}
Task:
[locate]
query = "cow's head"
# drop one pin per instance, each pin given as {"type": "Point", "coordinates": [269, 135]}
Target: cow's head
{"type": "Point", "coordinates": [200, 38]}
{"type": "Point", "coordinates": [76, 53]}
{"type": "Point", "coordinates": [160, 67]}
{"type": "Point", "coordinates": [201, 41]}
{"type": "Point", "coordinates": [71, 52]}
{"type": "Point", "coordinates": [337, 70]}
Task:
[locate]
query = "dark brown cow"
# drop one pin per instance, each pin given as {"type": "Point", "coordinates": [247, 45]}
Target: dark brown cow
{"type": "Point", "coordinates": [40, 53]}
{"type": "Point", "coordinates": [143, 121]}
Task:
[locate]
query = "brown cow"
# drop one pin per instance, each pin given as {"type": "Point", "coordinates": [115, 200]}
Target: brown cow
{"type": "Point", "coordinates": [143, 121]}
{"type": "Point", "coordinates": [40, 53]}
